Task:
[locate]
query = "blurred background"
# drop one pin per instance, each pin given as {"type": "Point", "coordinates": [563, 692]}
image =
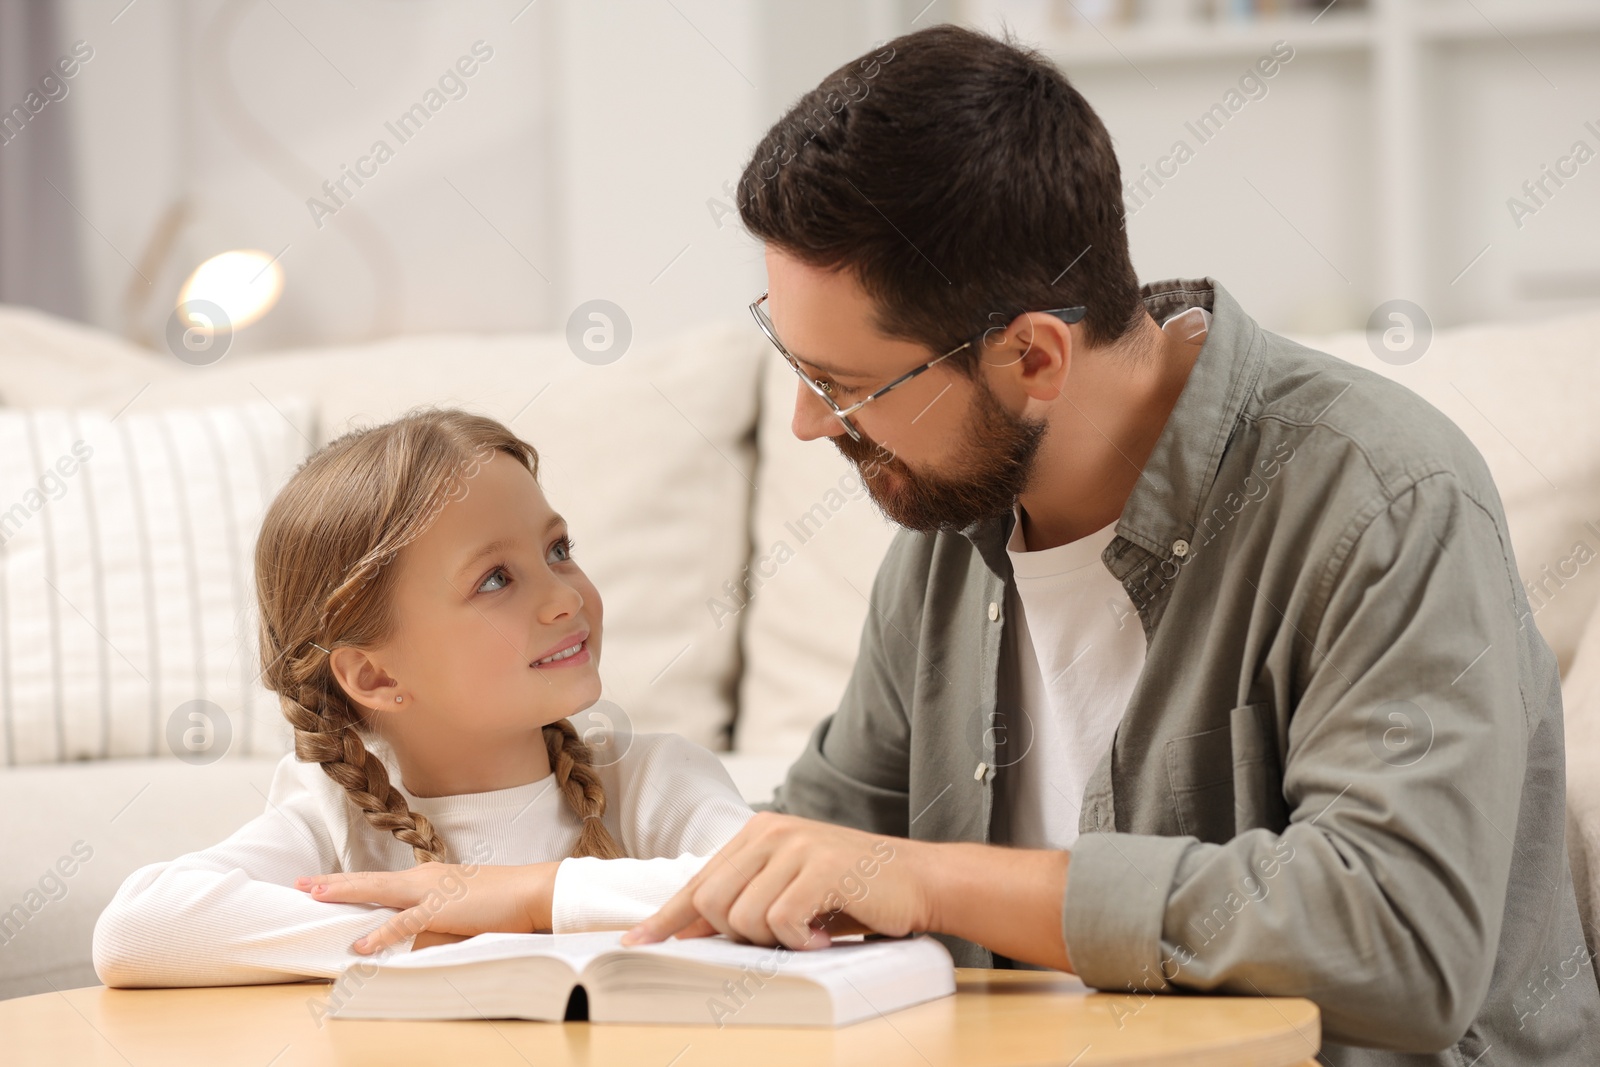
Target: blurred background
{"type": "Point", "coordinates": [1438, 151]}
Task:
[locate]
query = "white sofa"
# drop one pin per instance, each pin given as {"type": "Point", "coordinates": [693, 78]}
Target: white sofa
{"type": "Point", "coordinates": [734, 561]}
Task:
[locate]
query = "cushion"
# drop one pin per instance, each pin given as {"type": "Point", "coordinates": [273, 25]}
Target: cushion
{"type": "Point", "coordinates": [1580, 699]}
{"type": "Point", "coordinates": [103, 821]}
{"type": "Point", "coordinates": [47, 360]}
{"type": "Point", "coordinates": [817, 540]}
{"type": "Point", "coordinates": [650, 457]}
{"type": "Point", "coordinates": [125, 581]}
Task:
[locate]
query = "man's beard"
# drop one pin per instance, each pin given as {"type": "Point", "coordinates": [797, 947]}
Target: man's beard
{"type": "Point", "coordinates": [1000, 450]}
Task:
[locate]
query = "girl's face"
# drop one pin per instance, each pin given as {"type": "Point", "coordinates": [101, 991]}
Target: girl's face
{"type": "Point", "coordinates": [484, 600]}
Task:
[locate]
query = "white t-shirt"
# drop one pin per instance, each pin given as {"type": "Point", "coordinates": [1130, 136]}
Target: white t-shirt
{"type": "Point", "coordinates": [230, 914]}
{"type": "Point", "coordinates": [1080, 648]}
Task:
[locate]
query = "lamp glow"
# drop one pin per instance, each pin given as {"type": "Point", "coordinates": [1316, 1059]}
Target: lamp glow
{"type": "Point", "coordinates": [244, 283]}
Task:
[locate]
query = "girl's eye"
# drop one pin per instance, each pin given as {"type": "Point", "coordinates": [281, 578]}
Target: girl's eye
{"type": "Point", "coordinates": [498, 570]}
{"type": "Point", "coordinates": [564, 545]}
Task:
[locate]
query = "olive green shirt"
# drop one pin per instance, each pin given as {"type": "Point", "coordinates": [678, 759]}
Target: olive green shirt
{"type": "Point", "coordinates": [1340, 774]}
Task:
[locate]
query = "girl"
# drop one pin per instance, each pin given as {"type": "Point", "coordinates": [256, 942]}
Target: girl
{"type": "Point", "coordinates": [428, 633]}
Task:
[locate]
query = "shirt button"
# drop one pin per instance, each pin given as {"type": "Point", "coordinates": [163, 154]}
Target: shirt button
{"type": "Point", "coordinates": [994, 611]}
{"type": "Point", "coordinates": [1180, 547]}
{"type": "Point", "coordinates": [977, 775]}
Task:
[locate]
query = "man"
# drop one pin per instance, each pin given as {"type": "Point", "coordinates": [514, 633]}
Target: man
{"type": "Point", "coordinates": [1202, 662]}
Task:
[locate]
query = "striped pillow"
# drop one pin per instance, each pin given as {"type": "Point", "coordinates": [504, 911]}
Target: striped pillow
{"type": "Point", "coordinates": [127, 608]}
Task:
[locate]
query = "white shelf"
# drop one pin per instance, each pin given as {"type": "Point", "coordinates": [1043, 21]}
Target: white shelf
{"type": "Point", "coordinates": [1491, 21]}
{"type": "Point", "coordinates": [1084, 44]}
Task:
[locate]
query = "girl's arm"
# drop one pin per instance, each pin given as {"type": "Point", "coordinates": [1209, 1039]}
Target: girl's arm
{"type": "Point", "coordinates": [673, 805]}
{"type": "Point", "coordinates": [228, 914]}
{"type": "Point", "coordinates": [676, 806]}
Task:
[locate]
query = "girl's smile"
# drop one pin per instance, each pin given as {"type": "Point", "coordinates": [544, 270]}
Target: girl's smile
{"type": "Point", "coordinates": [572, 652]}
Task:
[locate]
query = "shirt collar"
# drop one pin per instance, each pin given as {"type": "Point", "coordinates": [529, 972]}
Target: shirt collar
{"type": "Point", "coordinates": [1165, 503]}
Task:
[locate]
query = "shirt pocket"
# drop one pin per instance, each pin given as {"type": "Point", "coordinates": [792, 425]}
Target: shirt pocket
{"type": "Point", "coordinates": [1258, 801]}
{"type": "Point", "coordinates": [1228, 779]}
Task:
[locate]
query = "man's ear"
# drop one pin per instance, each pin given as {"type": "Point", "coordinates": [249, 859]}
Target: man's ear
{"type": "Point", "coordinates": [363, 678]}
{"type": "Point", "coordinates": [1034, 350]}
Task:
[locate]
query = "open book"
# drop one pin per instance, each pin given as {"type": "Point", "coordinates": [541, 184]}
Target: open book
{"type": "Point", "coordinates": [707, 980]}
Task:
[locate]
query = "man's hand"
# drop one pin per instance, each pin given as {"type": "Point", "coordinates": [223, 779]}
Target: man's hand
{"type": "Point", "coordinates": [794, 881]}
{"type": "Point", "coordinates": [788, 880]}
{"type": "Point", "coordinates": [439, 899]}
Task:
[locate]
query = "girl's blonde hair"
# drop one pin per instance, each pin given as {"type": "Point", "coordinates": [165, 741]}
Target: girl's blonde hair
{"type": "Point", "coordinates": [322, 579]}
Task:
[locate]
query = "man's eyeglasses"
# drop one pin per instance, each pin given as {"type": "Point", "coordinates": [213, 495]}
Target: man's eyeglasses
{"type": "Point", "coordinates": [824, 390]}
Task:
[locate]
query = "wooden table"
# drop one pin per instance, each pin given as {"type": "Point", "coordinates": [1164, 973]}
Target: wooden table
{"type": "Point", "coordinates": [996, 1017]}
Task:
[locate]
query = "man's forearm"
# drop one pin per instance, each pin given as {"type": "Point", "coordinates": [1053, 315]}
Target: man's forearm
{"type": "Point", "coordinates": [1006, 899]}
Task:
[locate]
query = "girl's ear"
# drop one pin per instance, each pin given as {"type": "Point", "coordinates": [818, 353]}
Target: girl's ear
{"type": "Point", "coordinates": [363, 679]}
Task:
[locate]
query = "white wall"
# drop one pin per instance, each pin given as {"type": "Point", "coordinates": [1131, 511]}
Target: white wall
{"type": "Point", "coordinates": [657, 106]}
{"type": "Point", "coordinates": [576, 165]}
{"type": "Point", "coordinates": [243, 109]}
{"type": "Point", "coordinates": [1503, 123]}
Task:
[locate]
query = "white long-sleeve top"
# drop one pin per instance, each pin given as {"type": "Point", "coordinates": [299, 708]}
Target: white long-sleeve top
{"type": "Point", "coordinates": [230, 914]}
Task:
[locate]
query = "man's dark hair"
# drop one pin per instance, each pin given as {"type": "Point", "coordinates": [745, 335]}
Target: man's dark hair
{"type": "Point", "coordinates": [958, 176]}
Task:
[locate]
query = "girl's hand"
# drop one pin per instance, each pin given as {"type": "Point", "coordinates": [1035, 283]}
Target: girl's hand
{"type": "Point", "coordinates": [444, 898]}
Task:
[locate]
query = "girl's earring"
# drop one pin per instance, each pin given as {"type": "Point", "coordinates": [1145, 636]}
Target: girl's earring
{"type": "Point", "coordinates": [397, 699]}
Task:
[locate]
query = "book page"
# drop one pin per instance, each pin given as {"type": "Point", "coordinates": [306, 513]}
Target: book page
{"type": "Point", "coordinates": [816, 964]}
{"type": "Point", "coordinates": [575, 950]}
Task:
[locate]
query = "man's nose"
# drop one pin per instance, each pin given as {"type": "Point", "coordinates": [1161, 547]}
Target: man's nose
{"type": "Point", "coordinates": [812, 417]}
